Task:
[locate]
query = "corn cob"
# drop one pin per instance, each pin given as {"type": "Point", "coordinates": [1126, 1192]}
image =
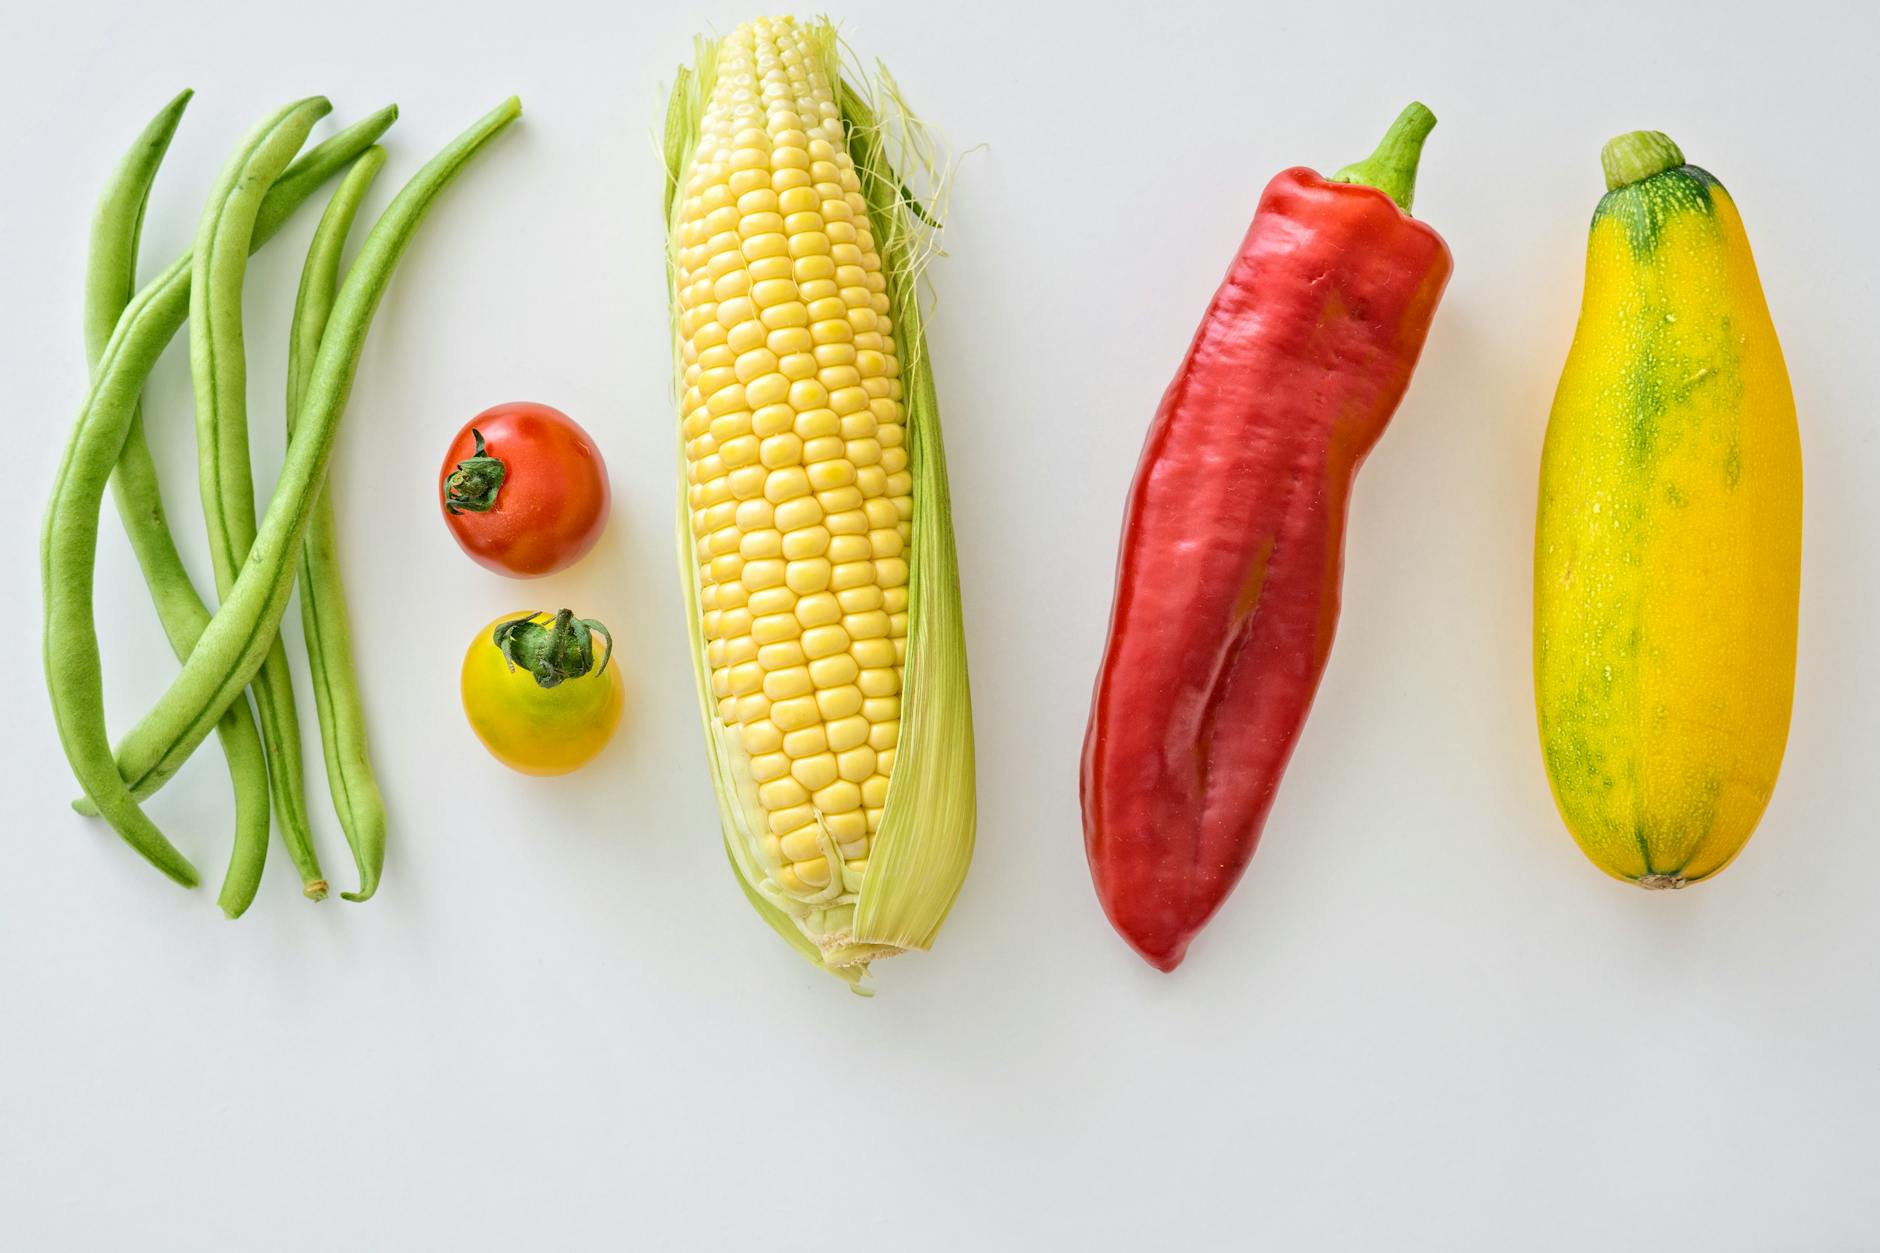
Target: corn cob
{"type": "Point", "coordinates": [816, 547]}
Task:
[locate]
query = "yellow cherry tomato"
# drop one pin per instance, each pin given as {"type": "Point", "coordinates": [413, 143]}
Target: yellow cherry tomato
{"type": "Point", "coordinates": [536, 729]}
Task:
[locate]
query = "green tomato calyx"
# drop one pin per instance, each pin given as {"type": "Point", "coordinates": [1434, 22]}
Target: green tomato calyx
{"type": "Point", "coordinates": [553, 651]}
{"type": "Point", "coordinates": [472, 486]}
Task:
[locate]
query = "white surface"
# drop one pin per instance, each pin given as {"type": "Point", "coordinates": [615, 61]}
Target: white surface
{"type": "Point", "coordinates": [1424, 1021]}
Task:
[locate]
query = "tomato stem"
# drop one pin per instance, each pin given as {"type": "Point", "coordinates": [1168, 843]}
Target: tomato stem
{"type": "Point", "coordinates": [472, 486]}
{"type": "Point", "coordinates": [561, 649]}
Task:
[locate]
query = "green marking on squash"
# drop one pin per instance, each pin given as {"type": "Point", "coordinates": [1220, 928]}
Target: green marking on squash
{"type": "Point", "coordinates": [1643, 208]}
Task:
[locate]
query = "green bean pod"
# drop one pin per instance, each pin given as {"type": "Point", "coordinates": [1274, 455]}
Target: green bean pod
{"type": "Point", "coordinates": [218, 366]}
{"type": "Point", "coordinates": [323, 617]}
{"type": "Point", "coordinates": [238, 638]}
{"type": "Point", "coordinates": [72, 663]}
{"type": "Point", "coordinates": [111, 280]}
{"type": "Point", "coordinates": [69, 541]}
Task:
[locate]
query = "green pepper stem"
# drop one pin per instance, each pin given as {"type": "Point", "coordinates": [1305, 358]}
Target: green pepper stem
{"type": "Point", "coordinates": [1392, 169]}
{"type": "Point", "coordinates": [1637, 155]}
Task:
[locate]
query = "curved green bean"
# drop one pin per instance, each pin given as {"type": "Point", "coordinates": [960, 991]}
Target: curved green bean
{"type": "Point", "coordinates": [71, 533]}
{"type": "Point", "coordinates": [219, 370]}
{"type": "Point", "coordinates": [237, 640]}
{"type": "Point", "coordinates": [118, 225]}
{"type": "Point", "coordinates": [323, 616]}
{"type": "Point", "coordinates": [74, 673]}
{"type": "Point", "coordinates": [111, 280]}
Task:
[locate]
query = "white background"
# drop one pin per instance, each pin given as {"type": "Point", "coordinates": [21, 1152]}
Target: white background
{"type": "Point", "coordinates": [1423, 1022]}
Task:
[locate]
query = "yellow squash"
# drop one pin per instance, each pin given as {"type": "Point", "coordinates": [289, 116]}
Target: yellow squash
{"type": "Point", "coordinates": [1667, 559]}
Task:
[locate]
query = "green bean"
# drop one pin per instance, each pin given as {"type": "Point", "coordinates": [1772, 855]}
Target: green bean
{"type": "Point", "coordinates": [349, 778]}
{"type": "Point", "coordinates": [74, 673]}
{"type": "Point", "coordinates": [118, 225]}
{"type": "Point", "coordinates": [71, 533]}
{"type": "Point", "coordinates": [232, 649]}
{"type": "Point", "coordinates": [219, 369]}
{"type": "Point", "coordinates": [111, 280]}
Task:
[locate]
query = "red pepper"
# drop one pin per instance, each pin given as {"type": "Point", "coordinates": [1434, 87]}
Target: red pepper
{"type": "Point", "coordinates": [1232, 551]}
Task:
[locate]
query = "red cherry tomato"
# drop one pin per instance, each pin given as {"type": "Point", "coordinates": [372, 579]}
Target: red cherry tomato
{"type": "Point", "coordinates": [524, 490]}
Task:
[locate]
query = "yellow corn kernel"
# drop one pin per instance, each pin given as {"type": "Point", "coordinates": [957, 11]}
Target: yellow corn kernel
{"type": "Point", "coordinates": [745, 482]}
{"type": "Point", "coordinates": [820, 448]}
{"type": "Point", "coordinates": [797, 513]}
{"type": "Point", "coordinates": [791, 818]}
{"type": "Point", "coordinates": [815, 772]}
{"type": "Point", "coordinates": [762, 737]}
{"type": "Point", "coordinates": [802, 844]}
{"type": "Point", "coordinates": [834, 671]}
{"type": "Point", "coordinates": [823, 641]}
{"type": "Point", "coordinates": [786, 484]}
{"type": "Point", "coordinates": [848, 574]}
{"type": "Point", "coordinates": [786, 340]}
{"type": "Point", "coordinates": [784, 684]}
{"type": "Point", "coordinates": [837, 797]}
{"type": "Point", "coordinates": [809, 541]}
{"type": "Point", "coordinates": [768, 389]}
{"type": "Point", "coordinates": [840, 702]}
{"type": "Point", "coordinates": [781, 793]}
{"type": "Point", "coordinates": [861, 599]}
{"type": "Point", "coordinates": [772, 628]}
{"type": "Point", "coordinates": [754, 545]}
{"type": "Point", "coordinates": [846, 733]}
{"type": "Point", "coordinates": [847, 546]}
{"type": "Point", "coordinates": [817, 423]}
{"type": "Point", "coordinates": [769, 766]}
{"type": "Point", "coordinates": [805, 743]}
{"type": "Point", "coordinates": [818, 610]}
{"type": "Point", "coordinates": [810, 574]}
{"type": "Point", "coordinates": [851, 521]}
{"type": "Point", "coordinates": [827, 475]}
{"type": "Point", "coordinates": [768, 600]}
{"type": "Point", "coordinates": [781, 450]}
{"type": "Point", "coordinates": [794, 715]}
{"type": "Point", "coordinates": [846, 828]}
{"type": "Point", "coordinates": [758, 575]}
{"type": "Point", "coordinates": [856, 765]}
{"type": "Point", "coordinates": [771, 420]}
{"type": "Point", "coordinates": [745, 678]}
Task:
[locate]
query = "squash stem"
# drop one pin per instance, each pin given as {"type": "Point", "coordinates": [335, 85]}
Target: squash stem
{"type": "Point", "coordinates": [1392, 169]}
{"type": "Point", "coordinates": [1637, 155]}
